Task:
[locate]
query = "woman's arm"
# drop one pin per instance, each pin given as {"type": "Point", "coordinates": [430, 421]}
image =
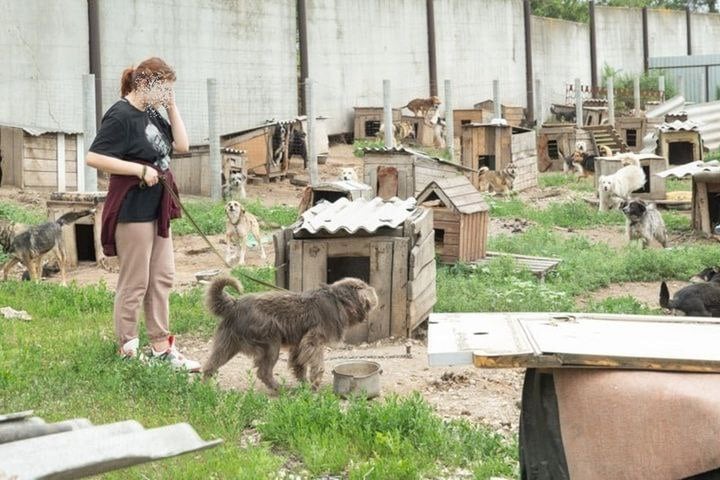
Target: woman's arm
{"type": "Point", "coordinates": [116, 166]}
{"type": "Point", "coordinates": [180, 138]}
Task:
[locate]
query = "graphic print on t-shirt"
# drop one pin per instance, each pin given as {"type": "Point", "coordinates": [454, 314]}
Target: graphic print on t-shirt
{"type": "Point", "coordinates": [160, 144]}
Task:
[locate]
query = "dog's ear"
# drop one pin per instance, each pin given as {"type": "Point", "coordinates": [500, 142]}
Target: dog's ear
{"type": "Point", "coordinates": [623, 204]}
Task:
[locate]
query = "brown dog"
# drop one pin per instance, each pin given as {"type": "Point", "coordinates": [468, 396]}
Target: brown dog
{"type": "Point", "coordinates": [259, 324]}
{"type": "Point", "coordinates": [497, 182]}
{"type": "Point", "coordinates": [239, 224]}
{"type": "Point", "coordinates": [420, 106]}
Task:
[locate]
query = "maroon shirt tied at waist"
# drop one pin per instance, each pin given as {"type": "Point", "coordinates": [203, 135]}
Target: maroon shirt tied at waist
{"type": "Point", "coordinates": [117, 190]}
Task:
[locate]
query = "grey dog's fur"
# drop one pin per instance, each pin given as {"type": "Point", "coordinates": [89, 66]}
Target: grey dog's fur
{"type": "Point", "coordinates": [29, 246]}
{"type": "Point", "coordinates": [644, 222]}
{"type": "Point", "coordinates": [258, 325]}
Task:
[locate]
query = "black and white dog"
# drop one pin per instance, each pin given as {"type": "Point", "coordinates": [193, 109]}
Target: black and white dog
{"type": "Point", "coordinates": [643, 222]}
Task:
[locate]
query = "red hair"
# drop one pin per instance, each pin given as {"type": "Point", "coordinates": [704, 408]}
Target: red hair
{"type": "Point", "coordinates": [153, 68]}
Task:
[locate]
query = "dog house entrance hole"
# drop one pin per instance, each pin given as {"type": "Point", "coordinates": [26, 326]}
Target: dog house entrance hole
{"type": "Point", "coordinates": [328, 195]}
{"type": "Point", "coordinates": [341, 267]}
{"type": "Point", "coordinates": [713, 200]}
{"type": "Point", "coordinates": [439, 239]}
{"type": "Point", "coordinates": [372, 127]}
{"type": "Point", "coordinates": [631, 137]}
{"type": "Point", "coordinates": [486, 161]}
{"type": "Point", "coordinates": [553, 149]}
{"type": "Point", "coordinates": [680, 153]}
{"type": "Point", "coordinates": [85, 241]}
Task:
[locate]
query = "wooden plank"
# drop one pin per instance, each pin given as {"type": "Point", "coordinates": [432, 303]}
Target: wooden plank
{"type": "Point", "coordinates": [40, 153]}
{"type": "Point", "coordinates": [314, 264]}
{"type": "Point", "coordinates": [419, 225]}
{"type": "Point", "coordinates": [398, 303]}
{"type": "Point", "coordinates": [45, 141]}
{"type": "Point", "coordinates": [419, 283]}
{"type": "Point", "coordinates": [39, 165]}
{"type": "Point", "coordinates": [381, 279]}
{"type": "Point", "coordinates": [60, 162]}
{"type": "Point", "coordinates": [448, 227]}
{"type": "Point", "coordinates": [295, 259]}
{"type": "Point", "coordinates": [421, 254]}
{"type": "Point", "coordinates": [451, 239]}
{"type": "Point", "coordinates": [349, 247]}
{"type": "Point", "coordinates": [701, 201]}
{"type": "Point", "coordinates": [444, 215]}
{"type": "Point", "coordinates": [281, 273]}
{"type": "Point", "coordinates": [40, 179]}
{"type": "Point", "coordinates": [421, 306]}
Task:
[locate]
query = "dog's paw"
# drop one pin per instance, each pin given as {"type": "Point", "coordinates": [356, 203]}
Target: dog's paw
{"type": "Point", "coordinates": [109, 264]}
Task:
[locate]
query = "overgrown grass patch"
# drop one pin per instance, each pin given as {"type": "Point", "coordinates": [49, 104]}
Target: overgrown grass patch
{"type": "Point", "coordinates": [22, 214]}
{"type": "Point", "coordinates": [570, 181]}
{"type": "Point", "coordinates": [568, 214]}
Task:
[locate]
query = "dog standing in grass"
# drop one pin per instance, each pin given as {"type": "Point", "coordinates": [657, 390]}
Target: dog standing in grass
{"type": "Point", "coordinates": [239, 224]}
{"type": "Point", "coordinates": [614, 188]}
{"type": "Point", "coordinates": [643, 222]}
{"type": "Point", "coordinates": [259, 325]}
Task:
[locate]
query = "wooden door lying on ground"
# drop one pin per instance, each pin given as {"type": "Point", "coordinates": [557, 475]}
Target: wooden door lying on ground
{"type": "Point", "coordinates": [552, 340]}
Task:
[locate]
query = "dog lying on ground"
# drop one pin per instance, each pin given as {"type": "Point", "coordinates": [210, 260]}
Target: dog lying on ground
{"type": "Point", "coordinates": [698, 300]}
{"type": "Point", "coordinates": [497, 182]}
{"type": "Point", "coordinates": [234, 188]}
{"type": "Point", "coordinates": [420, 106]}
{"type": "Point", "coordinates": [29, 246]}
{"type": "Point", "coordinates": [258, 325]}
{"type": "Point", "coordinates": [239, 224]}
{"type": "Point", "coordinates": [643, 222]}
{"type": "Point", "coordinates": [614, 188]}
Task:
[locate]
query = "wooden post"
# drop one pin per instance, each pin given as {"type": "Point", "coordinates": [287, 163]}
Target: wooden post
{"type": "Point", "coordinates": [310, 134]}
{"type": "Point", "coordinates": [578, 104]}
{"type": "Point", "coordinates": [387, 115]}
{"type": "Point", "coordinates": [611, 100]}
{"type": "Point", "coordinates": [60, 160]}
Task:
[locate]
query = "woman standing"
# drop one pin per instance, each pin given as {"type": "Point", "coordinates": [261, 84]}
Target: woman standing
{"type": "Point", "coordinates": [133, 144]}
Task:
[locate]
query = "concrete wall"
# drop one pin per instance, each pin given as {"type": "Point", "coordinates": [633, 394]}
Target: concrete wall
{"type": "Point", "coordinates": [667, 33]}
{"type": "Point", "coordinates": [619, 39]}
{"type": "Point", "coordinates": [705, 33]}
{"type": "Point", "coordinates": [479, 41]}
{"type": "Point", "coordinates": [554, 42]}
{"type": "Point", "coordinates": [248, 46]}
{"type": "Point", "coordinates": [44, 51]}
{"type": "Point", "coordinates": [353, 46]}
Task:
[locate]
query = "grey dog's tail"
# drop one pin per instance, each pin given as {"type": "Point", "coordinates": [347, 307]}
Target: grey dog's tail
{"type": "Point", "coordinates": [71, 217]}
{"type": "Point", "coordinates": [216, 300]}
{"type": "Point", "coordinates": [664, 296]}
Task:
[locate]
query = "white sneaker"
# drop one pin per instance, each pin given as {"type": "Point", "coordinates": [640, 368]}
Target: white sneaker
{"type": "Point", "coordinates": [131, 350]}
{"type": "Point", "coordinates": [176, 359]}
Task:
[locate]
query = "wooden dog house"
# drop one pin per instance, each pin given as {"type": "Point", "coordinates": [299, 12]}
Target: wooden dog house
{"type": "Point", "coordinates": [192, 170]}
{"type": "Point", "coordinates": [651, 164]}
{"type": "Point", "coordinates": [40, 159]}
{"type": "Point", "coordinates": [469, 115]}
{"type": "Point", "coordinates": [387, 244]}
{"type": "Point", "coordinates": [680, 142]}
{"type": "Point", "coordinates": [403, 172]}
{"type": "Point", "coordinates": [82, 238]}
{"type": "Point", "coordinates": [460, 219]}
{"type": "Point", "coordinates": [496, 146]}
{"type": "Point", "coordinates": [332, 191]}
{"type": "Point", "coordinates": [369, 119]}
{"type": "Point", "coordinates": [424, 134]}
{"type": "Point", "coordinates": [705, 193]}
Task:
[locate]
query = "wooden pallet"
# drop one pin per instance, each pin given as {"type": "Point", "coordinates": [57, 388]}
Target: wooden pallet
{"type": "Point", "coordinates": [540, 266]}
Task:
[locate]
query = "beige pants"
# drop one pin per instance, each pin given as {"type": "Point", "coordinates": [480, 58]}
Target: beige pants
{"type": "Point", "coordinates": [147, 269]}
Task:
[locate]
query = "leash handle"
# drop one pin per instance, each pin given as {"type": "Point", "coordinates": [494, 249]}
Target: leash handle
{"type": "Point", "coordinates": [207, 240]}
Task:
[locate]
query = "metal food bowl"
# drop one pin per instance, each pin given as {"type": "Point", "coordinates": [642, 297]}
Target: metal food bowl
{"type": "Point", "coordinates": [206, 275]}
{"type": "Point", "coordinates": [359, 377]}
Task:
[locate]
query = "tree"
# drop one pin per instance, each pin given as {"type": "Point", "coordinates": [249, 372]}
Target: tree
{"type": "Point", "coordinates": [578, 11]}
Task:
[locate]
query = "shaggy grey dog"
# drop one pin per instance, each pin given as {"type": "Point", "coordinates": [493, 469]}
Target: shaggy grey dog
{"type": "Point", "coordinates": [644, 222]}
{"type": "Point", "coordinates": [259, 324]}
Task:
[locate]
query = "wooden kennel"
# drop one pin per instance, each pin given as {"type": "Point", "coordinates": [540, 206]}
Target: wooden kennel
{"type": "Point", "coordinates": [423, 133]}
{"type": "Point", "coordinates": [403, 172]}
{"type": "Point", "coordinates": [706, 201]}
{"type": "Point", "coordinates": [460, 219]}
{"type": "Point", "coordinates": [192, 170]}
{"type": "Point", "coordinates": [82, 238]}
{"type": "Point", "coordinates": [555, 140]}
{"type": "Point", "coordinates": [333, 191]}
{"type": "Point", "coordinates": [514, 114]}
{"type": "Point", "coordinates": [40, 159]}
{"type": "Point", "coordinates": [369, 119]}
{"type": "Point", "coordinates": [651, 164]}
{"type": "Point", "coordinates": [390, 245]}
{"type": "Point", "coordinates": [495, 147]}
{"type": "Point", "coordinates": [469, 115]}
{"type": "Point", "coordinates": [680, 142]}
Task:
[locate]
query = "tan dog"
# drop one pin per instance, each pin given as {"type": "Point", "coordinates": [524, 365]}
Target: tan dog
{"type": "Point", "coordinates": [239, 224]}
{"type": "Point", "coordinates": [420, 106]}
{"type": "Point", "coordinates": [260, 324]}
{"type": "Point", "coordinates": [497, 182]}
{"type": "Point", "coordinates": [401, 131]}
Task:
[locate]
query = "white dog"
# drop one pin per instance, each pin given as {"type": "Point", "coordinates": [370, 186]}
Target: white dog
{"type": "Point", "coordinates": [239, 224]}
{"type": "Point", "coordinates": [348, 174]}
{"type": "Point", "coordinates": [617, 187]}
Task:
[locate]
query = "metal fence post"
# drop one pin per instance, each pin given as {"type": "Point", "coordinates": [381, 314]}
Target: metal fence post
{"type": "Point", "coordinates": [611, 100]}
{"type": "Point", "coordinates": [388, 115]}
{"type": "Point", "coordinates": [89, 183]}
{"type": "Point", "coordinates": [578, 104]}
{"type": "Point", "coordinates": [449, 124]}
{"type": "Point", "coordinates": [214, 140]}
{"type": "Point", "coordinates": [496, 98]}
{"type": "Point", "coordinates": [310, 134]}
{"type": "Point", "coordinates": [636, 94]}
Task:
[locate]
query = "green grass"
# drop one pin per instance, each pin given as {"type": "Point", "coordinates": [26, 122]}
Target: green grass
{"type": "Point", "coordinates": [22, 214]}
{"type": "Point", "coordinates": [359, 146]}
{"type": "Point", "coordinates": [560, 179]}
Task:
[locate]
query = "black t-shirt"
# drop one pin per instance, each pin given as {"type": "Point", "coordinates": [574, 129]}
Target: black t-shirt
{"type": "Point", "coordinates": [131, 134]}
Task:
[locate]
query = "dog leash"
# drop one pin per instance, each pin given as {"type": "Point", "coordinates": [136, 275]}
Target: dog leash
{"type": "Point", "coordinates": [207, 240]}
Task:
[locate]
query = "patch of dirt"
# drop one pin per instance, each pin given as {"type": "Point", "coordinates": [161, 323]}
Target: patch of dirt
{"type": "Point", "coordinates": [646, 293]}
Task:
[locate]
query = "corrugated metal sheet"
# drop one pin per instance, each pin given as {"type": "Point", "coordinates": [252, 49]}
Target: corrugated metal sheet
{"type": "Point", "coordinates": [678, 126]}
{"type": "Point", "coordinates": [693, 71]}
{"type": "Point", "coordinates": [360, 214]}
{"type": "Point", "coordinates": [690, 169]}
{"type": "Point", "coordinates": [707, 115]}
{"type": "Point", "coordinates": [667, 106]}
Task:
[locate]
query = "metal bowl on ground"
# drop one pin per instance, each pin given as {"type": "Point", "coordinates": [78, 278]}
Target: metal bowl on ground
{"type": "Point", "coordinates": [358, 377]}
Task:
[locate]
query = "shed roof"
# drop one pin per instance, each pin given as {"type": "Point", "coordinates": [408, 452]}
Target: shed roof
{"type": "Point", "coordinates": [456, 193]}
{"type": "Point", "coordinates": [416, 153]}
{"type": "Point", "coordinates": [691, 169]}
{"type": "Point", "coordinates": [356, 215]}
{"type": "Point", "coordinates": [680, 126]}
